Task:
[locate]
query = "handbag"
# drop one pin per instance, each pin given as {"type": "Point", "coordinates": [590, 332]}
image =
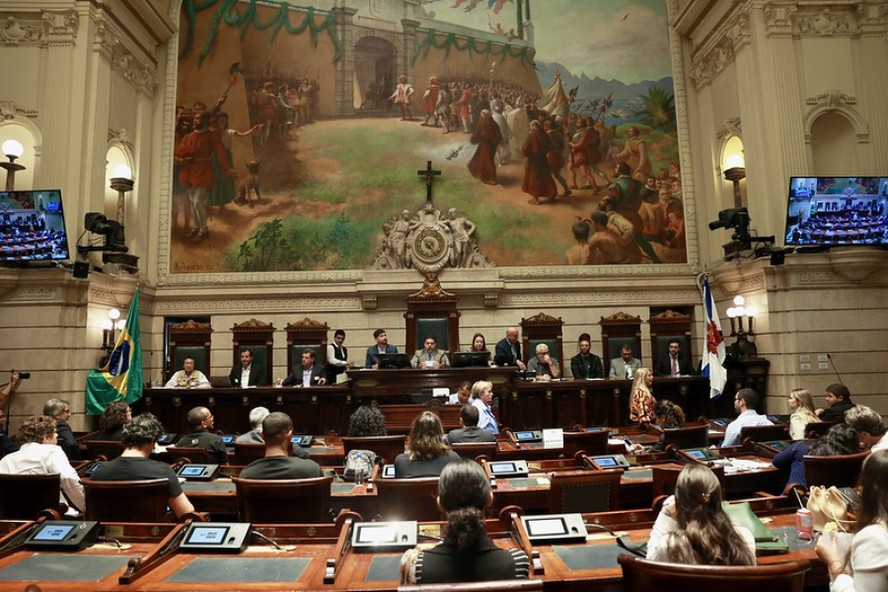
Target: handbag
{"type": "Point", "coordinates": [828, 504]}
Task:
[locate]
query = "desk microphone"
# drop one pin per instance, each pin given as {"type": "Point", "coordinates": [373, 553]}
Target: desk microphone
{"type": "Point", "coordinates": [829, 357]}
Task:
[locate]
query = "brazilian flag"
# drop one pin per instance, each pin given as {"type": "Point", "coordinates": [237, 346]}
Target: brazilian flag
{"type": "Point", "coordinates": [121, 378]}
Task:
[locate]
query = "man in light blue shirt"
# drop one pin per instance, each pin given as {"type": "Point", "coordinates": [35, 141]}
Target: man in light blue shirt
{"type": "Point", "coordinates": [745, 403]}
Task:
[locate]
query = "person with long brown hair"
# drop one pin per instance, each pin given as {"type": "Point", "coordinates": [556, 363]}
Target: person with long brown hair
{"type": "Point", "coordinates": [865, 567]}
{"type": "Point", "coordinates": [427, 453]}
{"type": "Point", "coordinates": [693, 529]}
{"type": "Point", "coordinates": [467, 554]}
{"type": "Point", "coordinates": [642, 401]}
{"type": "Point", "coordinates": [801, 405]}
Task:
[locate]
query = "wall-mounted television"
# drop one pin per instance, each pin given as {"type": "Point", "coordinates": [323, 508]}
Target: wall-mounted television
{"type": "Point", "coordinates": [32, 226]}
{"type": "Point", "coordinates": [837, 211]}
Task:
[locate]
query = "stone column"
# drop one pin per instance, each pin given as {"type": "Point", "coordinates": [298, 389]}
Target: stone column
{"type": "Point", "coordinates": [345, 67]}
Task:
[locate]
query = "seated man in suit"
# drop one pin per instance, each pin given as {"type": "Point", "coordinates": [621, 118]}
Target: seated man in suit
{"type": "Point", "coordinates": [200, 420]}
{"type": "Point", "coordinates": [188, 377]}
{"type": "Point", "coordinates": [543, 365]}
{"type": "Point", "coordinates": [509, 346]}
{"type": "Point", "coordinates": [310, 372]}
{"type": "Point", "coordinates": [430, 356]}
{"type": "Point", "coordinates": [139, 436]}
{"type": "Point", "coordinates": [624, 366]}
{"type": "Point", "coordinates": [469, 430]}
{"type": "Point", "coordinates": [277, 431]}
{"type": "Point", "coordinates": [673, 364]}
{"type": "Point", "coordinates": [247, 373]}
{"type": "Point", "coordinates": [381, 347]}
{"type": "Point", "coordinates": [586, 364]}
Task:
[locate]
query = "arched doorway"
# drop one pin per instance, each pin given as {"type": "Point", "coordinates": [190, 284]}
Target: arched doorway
{"type": "Point", "coordinates": [374, 74]}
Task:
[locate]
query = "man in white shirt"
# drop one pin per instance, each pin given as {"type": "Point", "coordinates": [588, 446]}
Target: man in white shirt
{"type": "Point", "coordinates": [337, 357]}
{"type": "Point", "coordinates": [40, 454]}
{"type": "Point", "coordinates": [247, 373]}
{"type": "Point", "coordinates": [869, 426]}
{"type": "Point", "coordinates": [745, 403]}
{"type": "Point", "coordinates": [188, 377]}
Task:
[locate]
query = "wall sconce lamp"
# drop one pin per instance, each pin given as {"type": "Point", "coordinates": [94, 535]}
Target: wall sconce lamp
{"type": "Point", "coordinates": [735, 171]}
{"type": "Point", "coordinates": [12, 149]}
{"type": "Point", "coordinates": [122, 182]}
{"type": "Point", "coordinates": [742, 347]}
{"type": "Point", "coordinates": [110, 327]}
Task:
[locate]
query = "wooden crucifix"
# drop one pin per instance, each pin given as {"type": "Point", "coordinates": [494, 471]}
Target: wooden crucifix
{"type": "Point", "coordinates": [429, 174]}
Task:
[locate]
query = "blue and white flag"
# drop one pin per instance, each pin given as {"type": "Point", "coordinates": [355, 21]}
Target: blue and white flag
{"type": "Point", "coordinates": [713, 346]}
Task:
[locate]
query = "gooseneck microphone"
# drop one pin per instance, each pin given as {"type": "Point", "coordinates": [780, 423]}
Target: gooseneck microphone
{"type": "Point", "coordinates": [829, 357]}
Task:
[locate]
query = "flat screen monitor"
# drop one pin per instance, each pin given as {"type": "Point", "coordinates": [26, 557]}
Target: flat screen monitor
{"type": "Point", "coordinates": [471, 359]}
{"type": "Point", "coordinates": [392, 361]}
{"type": "Point", "coordinates": [32, 226]}
{"type": "Point", "coordinates": [837, 211]}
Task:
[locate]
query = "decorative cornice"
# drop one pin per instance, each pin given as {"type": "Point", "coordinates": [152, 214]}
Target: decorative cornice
{"type": "Point", "coordinates": [778, 18]}
{"type": "Point", "coordinates": [137, 70]}
{"type": "Point", "coordinates": [835, 100]}
{"type": "Point", "coordinates": [827, 21]}
{"type": "Point", "coordinates": [11, 110]}
{"type": "Point", "coordinates": [50, 28]}
{"type": "Point", "coordinates": [872, 19]}
{"type": "Point", "coordinates": [831, 100]}
{"type": "Point", "coordinates": [60, 27]}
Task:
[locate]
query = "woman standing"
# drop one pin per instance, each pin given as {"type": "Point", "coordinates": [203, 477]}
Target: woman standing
{"type": "Point", "coordinates": [801, 405]}
{"type": "Point", "coordinates": [642, 401]}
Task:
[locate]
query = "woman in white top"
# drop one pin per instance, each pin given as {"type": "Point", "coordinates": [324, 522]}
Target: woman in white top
{"type": "Point", "coordinates": [801, 405]}
{"type": "Point", "coordinates": [693, 529]}
{"type": "Point", "coordinates": [40, 454]}
{"type": "Point", "coordinates": [865, 567]}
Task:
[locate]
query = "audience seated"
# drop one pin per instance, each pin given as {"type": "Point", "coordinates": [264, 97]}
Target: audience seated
{"type": "Point", "coordinates": [469, 431]}
{"type": "Point", "coordinates": [839, 440]}
{"type": "Point", "coordinates": [667, 415]}
{"type": "Point", "coordinates": [200, 420]}
{"type": "Point", "coordinates": [642, 401]}
{"type": "Point", "coordinates": [482, 397]}
{"type": "Point", "coordinates": [865, 568]}
{"type": "Point", "coordinates": [366, 420]}
{"type": "Point", "coordinates": [463, 394]}
{"type": "Point", "coordinates": [112, 420]}
{"type": "Point", "coordinates": [745, 403]}
{"type": "Point", "coordinates": [139, 437]}
{"type": "Point", "coordinates": [869, 425]}
{"type": "Point", "coordinates": [6, 443]}
{"type": "Point", "coordinates": [692, 528]}
{"type": "Point", "coordinates": [277, 431]}
{"type": "Point", "coordinates": [467, 553]}
{"type": "Point", "coordinates": [801, 404]}
{"type": "Point", "coordinates": [39, 455]}
{"type": "Point", "coordinates": [60, 411]}
{"type": "Point", "coordinates": [838, 400]}
{"type": "Point", "coordinates": [254, 436]}
{"type": "Point", "coordinates": [427, 453]}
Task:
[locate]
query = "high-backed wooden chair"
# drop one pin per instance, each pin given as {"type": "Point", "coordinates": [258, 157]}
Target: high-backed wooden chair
{"type": "Point", "coordinates": [693, 436]}
{"type": "Point", "coordinates": [109, 449]}
{"type": "Point", "coordinates": [287, 501]}
{"type": "Point", "coordinates": [640, 575]}
{"type": "Point", "coordinates": [491, 586]}
{"type": "Point", "coordinates": [189, 340]}
{"type": "Point", "coordinates": [303, 335]}
{"type": "Point", "coordinates": [258, 337]}
{"type": "Point", "coordinates": [432, 311]}
{"type": "Point", "coordinates": [618, 330]}
{"type": "Point", "coordinates": [543, 328]}
{"type": "Point", "coordinates": [765, 433]}
{"type": "Point", "coordinates": [841, 471]}
{"type": "Point", "coordinates": [186, 454]}
{"type": "Point", "coordinates": [247, 452]}
{"type": "Point", "coordinates": [23, 497]}
{"type": "Point", "coordinates": [385, 447]}
{"type": "Point", "coordinates": [663, 479]}
{"type": "Point", "coordinates": [592, 443]}
{"type": "Point", "coordinates": [584, 491]}
{"type": "Point", "coordinates": [473, 450]}
{"type": "Point", "coordinates": [127, 501]}
{"type": "Point", "coordinates": [817, 429]}
{"type": "Point", "coordinates": [408, 499]}
{"type": "Point", "coordinates": [668, 326]}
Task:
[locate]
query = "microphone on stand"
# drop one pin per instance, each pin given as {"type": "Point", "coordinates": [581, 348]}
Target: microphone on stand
{"type": "Point", "coordinates": [829, 357]}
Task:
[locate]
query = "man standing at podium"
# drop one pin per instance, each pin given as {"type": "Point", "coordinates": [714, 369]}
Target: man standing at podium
{"type": "Point", "coordinates": [381, 347]}
{"type": "Point", "coordinates": [430, 356]}
{"type": "Point", "coordinates": [509, 347]}
{"type": "Point", "coordinates": [337, 357]}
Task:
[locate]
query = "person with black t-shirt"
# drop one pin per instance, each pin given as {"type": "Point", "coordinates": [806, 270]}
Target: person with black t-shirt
{"type": "Point", "coordinates": [277, 430]}
{"type": "Point", "coordinates": [139, 436]}
{"type": "Point", "coordinates": [201, 422]}
{"type": "Point", "coordinates": [467, 553]}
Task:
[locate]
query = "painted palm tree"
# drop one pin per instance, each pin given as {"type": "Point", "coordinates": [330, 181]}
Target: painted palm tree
{"type": "Point", "coordinates": [658, 109]}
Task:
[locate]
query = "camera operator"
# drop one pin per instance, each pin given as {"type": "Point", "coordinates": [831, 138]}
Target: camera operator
{"type": "Point", "coordinates": [15, 379]}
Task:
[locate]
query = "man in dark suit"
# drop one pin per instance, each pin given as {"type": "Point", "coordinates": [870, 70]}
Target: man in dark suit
{"type": "Point", "coordinates": [674, 363]}
{"type": "Point", "coordinates": [337, 356]}
{"type": "Point", "coordinates": [509, 346]}
{"type": "Point", "coordinates": [381, 347]}
{"type": "Point", "coordinates": [247, 373]}
{"type": "Point", "coordinates": [309, 372]}
{"type": "Point", "coordinates": [469, 430]}
{"type": "Point", "coordinates": [586, 364]}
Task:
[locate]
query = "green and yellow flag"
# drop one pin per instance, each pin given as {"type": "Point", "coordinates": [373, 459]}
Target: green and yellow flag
{"type": "Point", "coordinates": [121, 378]}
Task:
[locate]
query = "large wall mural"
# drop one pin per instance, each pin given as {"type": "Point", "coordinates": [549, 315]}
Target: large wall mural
{"type": "Point", "coordinates": [303, 134]}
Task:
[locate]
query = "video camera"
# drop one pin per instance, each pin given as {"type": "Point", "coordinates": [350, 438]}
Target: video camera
{"type": "Point", "coordinates": [23, 375]}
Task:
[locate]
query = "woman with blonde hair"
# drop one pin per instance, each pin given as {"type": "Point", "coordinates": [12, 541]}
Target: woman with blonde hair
{"type": "Point", "coordinates": [801, 405]}
{"type": "Point", "coordinates": [693, 529]}
{"type": "Point", "coordinates": [642, 401]}
{"type": "Point", "coordinates": [427, 453]}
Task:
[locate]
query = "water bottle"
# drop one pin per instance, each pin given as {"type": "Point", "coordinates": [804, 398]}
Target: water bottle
{"type": "Point", "coordinates": [359, 471]}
